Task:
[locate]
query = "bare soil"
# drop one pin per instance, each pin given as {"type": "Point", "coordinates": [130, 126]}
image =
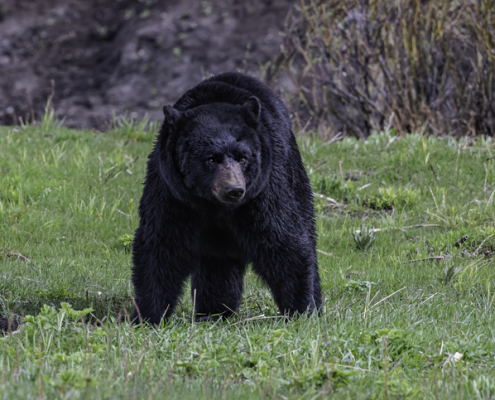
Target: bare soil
{"type": "Point", "coordinates": [125, 56]}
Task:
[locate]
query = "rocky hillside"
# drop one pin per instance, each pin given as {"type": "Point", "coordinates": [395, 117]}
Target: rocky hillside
{"type": "Point", "coordinates": [124, 56]}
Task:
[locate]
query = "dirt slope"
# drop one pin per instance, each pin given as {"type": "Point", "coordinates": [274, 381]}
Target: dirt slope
{"type": "Point", "coordinates": [124, 56]}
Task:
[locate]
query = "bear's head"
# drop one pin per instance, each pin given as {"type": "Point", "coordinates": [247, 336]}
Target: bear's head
{"type": "Point", "coordinates": [214, 149]}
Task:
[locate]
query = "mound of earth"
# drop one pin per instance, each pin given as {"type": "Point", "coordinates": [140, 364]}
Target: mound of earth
{"type": "Point", "coordinates": [124, 56]}
{"type": "Point", "coordinates": [4, 325]}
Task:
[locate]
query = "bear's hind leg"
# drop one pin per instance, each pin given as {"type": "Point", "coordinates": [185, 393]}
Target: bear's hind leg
{"type": "Point", "coordinates": [216, 288]}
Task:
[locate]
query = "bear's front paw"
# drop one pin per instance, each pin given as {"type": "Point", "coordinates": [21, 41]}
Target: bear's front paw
{"type": "Point", "coordinates": [208, 318]}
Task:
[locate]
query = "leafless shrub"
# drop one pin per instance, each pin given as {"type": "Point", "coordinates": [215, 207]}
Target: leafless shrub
{"type": "Point", "coordinates": [355, 66]}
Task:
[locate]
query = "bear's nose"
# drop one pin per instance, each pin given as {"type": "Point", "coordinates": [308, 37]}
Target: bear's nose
{"type": "Point", "coordinates": [234, 193]}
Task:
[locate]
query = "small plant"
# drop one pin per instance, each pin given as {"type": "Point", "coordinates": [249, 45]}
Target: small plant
{"type": "Point", "coordinates": [353, 285]}
{"type": "Point", "coordinates": [142, 131]}
{"type": "Point", "coordinates": [49, 121]}
{"type": "Point", "coordinates": [389, 198]}
{"type": "Point", "coordinates": [448, 274]}
{"type": "Point", "coordinates": [329, 186]}
{"type": "Point", "coordinates": [363, 237]}
{"type": "Point", "coordinates": [126, 241]}
{"type": "Point", "coordinates": [50, 318]}
{"type": "Point", "coordinates": [54, 294]}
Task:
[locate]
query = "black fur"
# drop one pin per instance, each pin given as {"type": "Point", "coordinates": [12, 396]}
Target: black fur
{"type": "Point", "coordinates": [228, 121]}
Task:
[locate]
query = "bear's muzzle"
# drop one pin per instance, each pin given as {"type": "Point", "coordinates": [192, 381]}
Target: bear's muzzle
{"type": "Point", "coordinates": [229, 186]}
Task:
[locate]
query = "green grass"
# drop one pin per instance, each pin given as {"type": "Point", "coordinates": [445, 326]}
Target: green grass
{"type": "Point", "coordinates": [399, 310]}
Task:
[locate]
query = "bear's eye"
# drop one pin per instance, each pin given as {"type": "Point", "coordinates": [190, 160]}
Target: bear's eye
{"type": "Point", "coordinates": [211, 160]}
{"type": "Point", "coordinates": [242, 160]}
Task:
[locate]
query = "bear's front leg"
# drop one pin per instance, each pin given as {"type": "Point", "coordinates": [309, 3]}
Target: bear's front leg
{"type": "Point", "coordinates": [216, 287]}
{"type": "Point", "coordinates": [291, 271]}
{"type": "Point", "coordinates": [159, 272]}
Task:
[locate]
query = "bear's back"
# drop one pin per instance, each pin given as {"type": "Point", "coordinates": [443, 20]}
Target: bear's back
{"type": "Point", "coordinates": [235, 88]}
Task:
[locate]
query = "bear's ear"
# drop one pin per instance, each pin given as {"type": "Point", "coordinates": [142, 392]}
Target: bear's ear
{"type": "Point", "coordinates": [171, 114]}
{"type": "Point", "coordinates": [251, 111]}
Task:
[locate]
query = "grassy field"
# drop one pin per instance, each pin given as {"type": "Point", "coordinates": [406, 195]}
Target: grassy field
{"type": "Point", "coordinates": [407, 312]}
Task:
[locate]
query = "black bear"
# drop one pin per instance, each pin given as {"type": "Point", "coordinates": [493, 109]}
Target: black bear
{"type": "Point", "coordinates": [225, 187]}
